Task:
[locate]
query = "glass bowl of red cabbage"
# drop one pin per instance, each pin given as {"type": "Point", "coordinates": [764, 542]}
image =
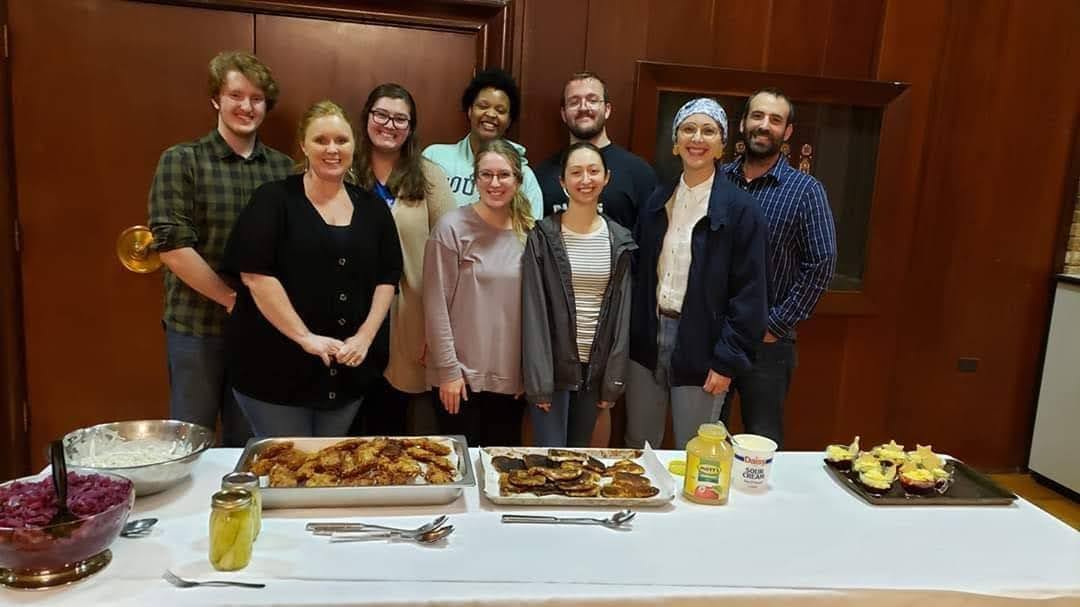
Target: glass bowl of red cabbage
{"type": "Point", "coordinates": [34, 553]}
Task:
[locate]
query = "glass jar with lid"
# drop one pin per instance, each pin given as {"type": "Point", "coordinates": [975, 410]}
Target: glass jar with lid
{"type": "Point", "coordinates": [231, 530]}
{"type": "Point", "coordinates": [250, 483]}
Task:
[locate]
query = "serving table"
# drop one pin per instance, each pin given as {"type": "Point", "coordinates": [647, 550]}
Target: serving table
{"type": "Point", "coordinates": [807, 541]}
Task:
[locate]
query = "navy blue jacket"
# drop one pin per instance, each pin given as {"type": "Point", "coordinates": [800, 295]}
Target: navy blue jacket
{"type": "Point", "coordinates": [726, 307]}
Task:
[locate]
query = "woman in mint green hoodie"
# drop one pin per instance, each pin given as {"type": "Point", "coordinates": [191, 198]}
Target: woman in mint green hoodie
{"type": "Point", "coordinates": [491, 103]}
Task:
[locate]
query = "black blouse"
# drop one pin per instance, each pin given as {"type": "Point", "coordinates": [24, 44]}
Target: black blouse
{"type": "Point", "coordinates": [330, 280]}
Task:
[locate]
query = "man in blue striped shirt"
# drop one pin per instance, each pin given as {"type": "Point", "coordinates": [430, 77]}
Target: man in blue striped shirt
{"type": "Point", "coordinates": [802, 255]}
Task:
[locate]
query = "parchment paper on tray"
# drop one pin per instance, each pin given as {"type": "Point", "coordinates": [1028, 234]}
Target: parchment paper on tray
{"type": "Point", "coordinates": [416, 492]}
{"type": "Point", "coordinates": [655, 472]}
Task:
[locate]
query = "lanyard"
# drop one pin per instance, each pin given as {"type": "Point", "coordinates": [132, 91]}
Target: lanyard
{"type": "Point", "coordinates": [384, 192]}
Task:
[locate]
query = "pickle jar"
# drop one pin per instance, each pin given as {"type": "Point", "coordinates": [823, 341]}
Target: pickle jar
{"type": "Point", "coordinates": [249, 482]}
{"type": "Point", "coordinates": [231, 529]}
{"type": "Point", "coordinates": [708, 466]}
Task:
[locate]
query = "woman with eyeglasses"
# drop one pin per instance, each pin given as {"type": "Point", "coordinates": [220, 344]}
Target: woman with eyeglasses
{"type": "Point", "coordinates": [389, 164]}
{"type": "Point", "coordinates": [699, 292]}
{"type": "Point", "coordinates": [472, 304]}
{"type": "Point", "coordinates": [491, 104]}
{"type": "Point", "coordinates": [576, 307]}
{"type": "Point", "coordinates": [318, 259]}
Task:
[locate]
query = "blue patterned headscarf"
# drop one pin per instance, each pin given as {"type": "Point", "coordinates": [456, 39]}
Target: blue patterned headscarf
{"type": "Point", "coordinates": [701, 105]}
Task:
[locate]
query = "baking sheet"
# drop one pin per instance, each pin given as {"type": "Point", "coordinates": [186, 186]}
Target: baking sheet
{"type": "Point", "coordinates": [654, 471]}
{"type": "Point", "coordinates": [969, 488]}
{"type": "Point", "coordinates": [380, 495]}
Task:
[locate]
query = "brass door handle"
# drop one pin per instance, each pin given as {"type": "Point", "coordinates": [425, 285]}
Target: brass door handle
{"type": "Point", "coordinates": [133, 250]}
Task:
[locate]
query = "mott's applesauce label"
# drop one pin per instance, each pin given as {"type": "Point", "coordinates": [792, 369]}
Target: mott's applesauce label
{"type": "Point", "coordinates": [707, 480]}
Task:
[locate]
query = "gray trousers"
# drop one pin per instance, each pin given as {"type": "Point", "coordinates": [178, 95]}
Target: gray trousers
{"type": "Point", "coordinates": [649, 393]}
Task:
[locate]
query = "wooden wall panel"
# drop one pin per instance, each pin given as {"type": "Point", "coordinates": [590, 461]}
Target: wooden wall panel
{"type": "Point", "coordinates": [985, 283]}
{"type": "Point", "coordinates": [344, 61]}
{"type": "Point", "coordinates": [741, 33]}
{"type": "Point", "coordinates": [680, 31]}
{"type": "Point", "coordinates": [12, 388]}
{"type": "Point", "coordinates": [798, 36]}
{"type": "Point", "coordinates": [545, 67]}
{"type": "Point", "coordinates": [851, 49]}
{"type": "Point", "coordinates": [91, 118]}
{"type": "Point", "coordinates": [810, 414]}
{"type": "Point", "coordinates": [616, 39]}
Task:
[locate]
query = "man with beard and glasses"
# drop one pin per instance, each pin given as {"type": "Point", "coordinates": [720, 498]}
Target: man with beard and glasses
{"type": "Point", "coordinates": [802, 255]}
{"type": "Point", "coordinates": [585, 109]}
{"type": "Point", "coordinates": [198, 191]}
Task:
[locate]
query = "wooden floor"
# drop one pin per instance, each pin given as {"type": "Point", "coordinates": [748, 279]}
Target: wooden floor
{"type": "Point", "coordinates": [1061, 506]}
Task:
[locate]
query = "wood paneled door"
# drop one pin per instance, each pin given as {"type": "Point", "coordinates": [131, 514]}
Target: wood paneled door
{"type": "Point", "coordinates": [92, 115]}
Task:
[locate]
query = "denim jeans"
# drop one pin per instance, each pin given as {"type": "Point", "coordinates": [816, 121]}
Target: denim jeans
{"type": "Point", "coordinates": [270, 420]}
{"type": "Point", "coordinates": [570, 420]}
{"type": "Point", "coordinates": [763, 389]}
{"type": "Point", "coordinates": [199, 390]}
{"type": "Point", "coordinates": [649, 393]}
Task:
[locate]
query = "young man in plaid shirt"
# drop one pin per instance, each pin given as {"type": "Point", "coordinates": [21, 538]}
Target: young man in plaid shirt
{"type": "Point", "coordinates": [199, 189]}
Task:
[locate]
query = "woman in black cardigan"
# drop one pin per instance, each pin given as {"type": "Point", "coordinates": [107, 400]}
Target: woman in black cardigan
{"type": "Point", "coordinates": [319, 260]}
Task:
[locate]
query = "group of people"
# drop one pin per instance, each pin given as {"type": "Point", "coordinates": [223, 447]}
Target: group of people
{"type": "Point", "coordinates": [469, 288]}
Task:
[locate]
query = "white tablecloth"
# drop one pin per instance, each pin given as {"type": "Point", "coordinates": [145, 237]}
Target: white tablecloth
{"type": "Point", "coordinates": [807, 541]}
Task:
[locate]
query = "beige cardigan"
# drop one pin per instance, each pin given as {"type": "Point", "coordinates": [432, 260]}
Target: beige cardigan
{"type": "Point", "coordinates": [414, 219]}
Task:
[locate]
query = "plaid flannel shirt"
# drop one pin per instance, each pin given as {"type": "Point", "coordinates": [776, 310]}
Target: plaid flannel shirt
{"type": "Point", "coordinates": [199, 189]}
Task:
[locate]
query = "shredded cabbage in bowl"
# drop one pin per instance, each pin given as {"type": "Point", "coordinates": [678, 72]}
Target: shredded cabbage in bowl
{"type": "Point", "coordinates": [109, 450]}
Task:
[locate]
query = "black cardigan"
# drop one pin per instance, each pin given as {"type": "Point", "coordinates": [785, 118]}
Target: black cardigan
{"type": "Point", "coordinates": [281, 234]}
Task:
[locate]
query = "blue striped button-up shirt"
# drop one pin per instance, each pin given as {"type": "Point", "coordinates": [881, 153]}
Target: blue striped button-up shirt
{"type": "Point", "coordinates": [802, 240]}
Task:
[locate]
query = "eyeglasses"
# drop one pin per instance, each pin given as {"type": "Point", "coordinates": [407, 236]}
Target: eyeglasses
{"type": "Point", "coordinates": [590, 102]}
{"type": "Point", "coordinates": [401, 121]}
{"type": "Point", "coordinates": [488, 176]}
{"type": "Point", "coordinates": [708, 131]}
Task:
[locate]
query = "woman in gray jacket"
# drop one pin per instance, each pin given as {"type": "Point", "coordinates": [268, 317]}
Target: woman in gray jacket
{"type": "Point", "coordinates": [575, 307]}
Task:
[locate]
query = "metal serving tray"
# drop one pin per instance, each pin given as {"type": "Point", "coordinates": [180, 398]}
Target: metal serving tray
{"type": "Point", "coordinates": [382, 495]}
{"type": "Point", "coordinates": [969, 488]}
{"type": "Point", "coordinates": [654, 471]}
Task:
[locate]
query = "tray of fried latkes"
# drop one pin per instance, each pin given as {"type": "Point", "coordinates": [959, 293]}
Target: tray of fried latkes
{"type": "Point", "coordinates": [362, 471]}
{"type": "Point", "coordinates": [535, 476]}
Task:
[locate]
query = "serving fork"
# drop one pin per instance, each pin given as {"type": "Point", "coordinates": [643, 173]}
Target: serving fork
{"type": "Point", "coordinates": [180, 582]}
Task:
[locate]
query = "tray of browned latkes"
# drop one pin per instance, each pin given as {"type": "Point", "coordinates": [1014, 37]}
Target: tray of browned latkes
{"type": "Point", "coordinates": [307, 472]}
{"type": "Point", "coordinates": [537, 476]}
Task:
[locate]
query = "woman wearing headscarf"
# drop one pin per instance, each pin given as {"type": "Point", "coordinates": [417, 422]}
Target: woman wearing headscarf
{"type": "Point", "coordinates": [700, 287]}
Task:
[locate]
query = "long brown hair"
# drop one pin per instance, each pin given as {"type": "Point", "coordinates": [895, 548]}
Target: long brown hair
{"type": "Point", "coordinates": [321, 109]}
{"type": "Point", "coordinates": [407, 180]}
{"type": "Point", "coordinates": [520, 209]}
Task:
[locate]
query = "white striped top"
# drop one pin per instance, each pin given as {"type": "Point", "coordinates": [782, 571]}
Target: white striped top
{"type": "Point", "coordinates": [590, 266]}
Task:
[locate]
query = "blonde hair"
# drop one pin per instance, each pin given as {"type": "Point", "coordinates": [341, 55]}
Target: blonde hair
{"type": "Point", "coordinates": [322, 109]}
{"type": "Point", "coordinates": [521, 218]}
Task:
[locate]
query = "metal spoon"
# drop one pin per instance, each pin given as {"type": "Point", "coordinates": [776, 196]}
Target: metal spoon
{"type": "Point", "coordinates": [138, 527]}
{"type": "Point", "coordinates": [64, 517]}
{"type": "Point", "coordinates": [331, 528]}
{"type": "Point", "coordinates": [615, 521]}
{"type": "Point", "coordinates": [429, 537]}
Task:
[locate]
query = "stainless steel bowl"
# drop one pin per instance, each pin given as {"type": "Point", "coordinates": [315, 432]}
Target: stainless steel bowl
{"type": "Point", "coordinates": [148, 478]}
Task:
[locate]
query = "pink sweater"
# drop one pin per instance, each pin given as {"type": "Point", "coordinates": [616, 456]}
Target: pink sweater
{"type": "Point", "coordinates": [472, 303]}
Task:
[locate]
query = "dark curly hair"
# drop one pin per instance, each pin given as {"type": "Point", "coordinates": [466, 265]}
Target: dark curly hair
{"type": "Point", "coordinates": [496, 79]}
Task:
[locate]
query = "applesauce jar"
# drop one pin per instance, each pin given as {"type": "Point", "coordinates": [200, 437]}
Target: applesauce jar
{"type": "Point", "coordinates": [708, 466]}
